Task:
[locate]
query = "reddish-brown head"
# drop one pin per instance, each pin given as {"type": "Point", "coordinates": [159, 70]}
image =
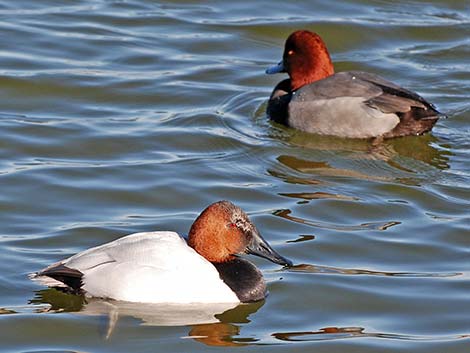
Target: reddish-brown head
{"type": "Point", "coordinates": [223, 231]}
{"type": "Point", "coordinates": [305, 59]}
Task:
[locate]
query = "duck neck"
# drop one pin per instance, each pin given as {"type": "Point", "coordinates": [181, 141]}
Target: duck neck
{"type": "Point", "coordinates": [243, 278]}
{"type": "Point", "coordinates": [208, 242]}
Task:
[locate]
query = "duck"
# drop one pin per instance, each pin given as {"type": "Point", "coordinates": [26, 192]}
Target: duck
{"type": "Point", "coordinates": [349, 104]}
{"type": "Point", "coordinates": [162, 267]}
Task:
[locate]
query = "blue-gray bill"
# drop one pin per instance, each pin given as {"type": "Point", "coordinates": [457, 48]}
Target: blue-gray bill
{"type": "Point", "coordinates": [275, 69]}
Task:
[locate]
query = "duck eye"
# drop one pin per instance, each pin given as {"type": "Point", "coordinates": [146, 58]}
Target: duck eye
{"type": "Point", "coordinates": [290, 52]}
{"type": "Point", "coordinates": [232, 225]}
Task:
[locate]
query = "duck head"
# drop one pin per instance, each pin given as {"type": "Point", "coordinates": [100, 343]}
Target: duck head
{"type": "Point", "coordinates": [222, 231]}
{"type": "Point", "coordinates": [305, 59]}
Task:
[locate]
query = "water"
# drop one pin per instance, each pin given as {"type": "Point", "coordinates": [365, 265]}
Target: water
{"type": "Point", "coordinates": [126, 116]}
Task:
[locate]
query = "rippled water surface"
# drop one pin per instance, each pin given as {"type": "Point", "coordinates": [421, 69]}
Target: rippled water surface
{"type": "Point", "coordinates": [126, 116]}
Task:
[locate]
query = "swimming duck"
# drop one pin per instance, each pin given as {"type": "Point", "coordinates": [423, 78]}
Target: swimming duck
{"type": "Point", "coordinates": [161, 267]}
{"type": "Point", "coordinates": [350, 104]}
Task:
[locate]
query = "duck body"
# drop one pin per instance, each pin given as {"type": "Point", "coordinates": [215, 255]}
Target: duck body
{"type": "Point", "coordinates": [346, 104]}
{"type": "Point", "coordinates": [151, 267]}
{"type": "Point", "coordinates": [160, 267]}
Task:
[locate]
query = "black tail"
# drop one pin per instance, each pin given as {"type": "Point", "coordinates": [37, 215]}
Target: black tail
{"type": "Point", "coordinates": [72, 278]}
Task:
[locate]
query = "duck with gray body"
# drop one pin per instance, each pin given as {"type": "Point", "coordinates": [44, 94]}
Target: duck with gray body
{"type": "Point", "coordinates": [351, 104]}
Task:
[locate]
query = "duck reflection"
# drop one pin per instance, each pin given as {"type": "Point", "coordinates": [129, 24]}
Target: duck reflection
{"type": "Point", "coordinates": [212, 324]}
{"type": "Point", "coordinates": [226, 331]}
{"type": "Point", "coordinates": [382, 160]}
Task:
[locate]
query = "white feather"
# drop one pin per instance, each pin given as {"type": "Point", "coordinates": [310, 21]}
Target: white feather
{"type": "Point", "coordinates": [152, 267]}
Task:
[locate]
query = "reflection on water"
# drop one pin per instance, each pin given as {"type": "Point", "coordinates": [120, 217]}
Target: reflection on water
{"type": "Point", "coordinates": [213, 324]}
{"type": "Point", "coordinates": [218, 334]}
{"type": "Point", "coordinates": [293, 179]}
{"type": "Point", "coordinates": [424, 148]}
{"type": "Point", "coordinates": [307, 268]}
{"type": "Point", "coordinates": [318, 195]}
{"type": "Point", "coordinates": [57, 301]}
{"type": "Point", "coordinates": [302, 238]}
{"type": "Point", "coordinates": [334, 333]}
{"type": "Point", "coordinates": [213, 329]}
{"type": "Point", "coordinates": [409, 155]}
{"type": "Point", "coordinates": [364, 226]}
{"type": "Point", "coordinates": [226, 331]}
{"type": "Point", "coordinates": [4, 311]}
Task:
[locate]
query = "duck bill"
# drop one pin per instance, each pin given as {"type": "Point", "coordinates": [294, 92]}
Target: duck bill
{"type": "Point", "coordinates": [259, 247]}
{"type": "Point", "coordinates": [275, 69]}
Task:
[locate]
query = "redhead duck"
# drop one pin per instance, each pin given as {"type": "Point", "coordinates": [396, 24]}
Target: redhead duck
{"type": "Point", "coordinates": [160, 267]}
{"type": "Point", "coordinates": [346, 104]}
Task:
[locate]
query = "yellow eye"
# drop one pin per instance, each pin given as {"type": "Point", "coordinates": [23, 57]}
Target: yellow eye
{"type": "Point", "coordinates": [290, 52]}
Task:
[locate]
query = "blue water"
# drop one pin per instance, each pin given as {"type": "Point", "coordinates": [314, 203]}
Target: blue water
{"type": "Point", "coordinates": [126, 116]}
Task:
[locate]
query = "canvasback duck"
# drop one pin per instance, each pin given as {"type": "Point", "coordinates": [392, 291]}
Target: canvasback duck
{"type": "Point", "coordinates": [160, 267]}
{"type": "Point", "coordinates": [351, 104]}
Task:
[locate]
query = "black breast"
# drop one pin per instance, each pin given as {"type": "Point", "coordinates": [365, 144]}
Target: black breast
{"type": "Point", "coordinates": [279, 102]}
{"type": "Point", "coordinates": [243, 278]}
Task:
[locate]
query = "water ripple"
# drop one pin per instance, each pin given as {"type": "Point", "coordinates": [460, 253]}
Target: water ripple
{"type": "Point", "coordinates": [336, 333]}
{"type": "Point", "coordinates": [364, 226]}
{"type": "Point", "coordinates": [307, 268]}
{"type": "Point", "coordinates": [126, 116]}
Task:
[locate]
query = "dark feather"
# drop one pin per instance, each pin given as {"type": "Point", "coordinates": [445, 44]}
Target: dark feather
{"type": "Point", "coordinates": [243, 278]}
{"type": "Point", "coordinates": [279, 102]}
{"type": "Point", "coordinates": [72, 278]}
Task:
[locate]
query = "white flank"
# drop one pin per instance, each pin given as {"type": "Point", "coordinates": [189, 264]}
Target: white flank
{"type": "Point", "coordinates": [152, 267]}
